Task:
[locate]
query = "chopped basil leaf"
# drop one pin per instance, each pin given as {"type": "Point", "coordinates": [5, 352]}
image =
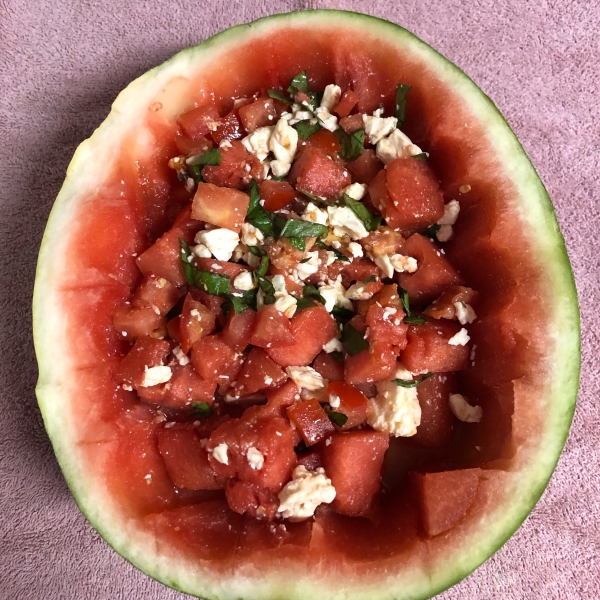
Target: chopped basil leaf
{"type": "Point", "coordinates": [303, 303]}
{"type": "Point", "coordinates": [400, 103]}
{"type": "Point", "coordinates": [338, 254]}
{"type": "Point", "coordinates": [277, 178]}
{"type": "Point", "coordinates": [212, 283]}
{"type": "Point", "coordinates": [353, 340]}
{"type": "Point", "coordinates": [351, 145]}
{"type": "Point", "coordinates": [404, 299]}
{"type": "Point", "coordinates": [257, 251]}
{"type": "Point", "coordinates": [431, 231]}
{"type": "Point", "coordinates": [340, 419]}
{"type": "Point", "coordinates": [201, 409]}
{"type": "Point", "coordinates": [280, 95]}
{"type": "Point", "coordinates": [259, 217]}
{"type": "Point", "coordinates": [197, 170]}
{"type": "Point", "coordinates": [299, 243]}
{"type": "Point", "coordinates": [339, 356]}
{"type": "Point", "coordinates": [407, 383]}
{"type": "Point", "coordinates": [183, 176]}
{"type": "Point", "coordinates": [310, 291]}
{"type": "Point", "coordinates": [211, 157]}
{"type": "Point", "coordinates": [306, 129]}
{"type": "Point", "coordinates": [315, 99]}
{"type": "Point", "coordinates": [414, 320]}
{"type": "Point", "coordinates": [370, 220]}
{"type": "Point", "coordinates": [299, 84]}
{"type": "Point", "coordinates": [238, 304]}
{"type": "Point", "coordinates": [370, 279]}
{"type": "Point", "coordinates": [314, 199]}
{"type": "Point", "coordinates": [421, 156]}
{"type": "Point", "coordinates": [268, 290]}
{"type": "Point", "coordinates": [263, 268]}
{"type": "Point", "coordinates": [341, 315]}
{"type": "Point", "coordinates": [410, 318]}
{"type": "Point", "coordinates": [295, 228]}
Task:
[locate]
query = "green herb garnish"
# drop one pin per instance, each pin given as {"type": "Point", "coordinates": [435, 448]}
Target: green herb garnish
{"type": "Point", "coordinates": [299, 243]}
{"type": "Point", "coordinates": [306, 129]}
{"type": "Point", "coordinates": [211, 157]}
{"type": "Point", "coordinates": [421, 156]}
{"type": "Point", "coordinates": [371, 221]}
{"type": "Point", "coordinates": [299, 84]}
{"type": "Point", "coordinates": [339, 356]}
{"type": "Point", "coordinates": [400, 103]}
{"type": "Point", "coordinates": [298, 228]}
{"type": "Point", "coordinates": [280, 95]}
{"type": "Point", "coordinates": [370, 279]}
{"type": "Point", "coordinates": [338, 254]}
{"type": "Point", "coordinates": [212, 283]}
{"type": "Point", "coordinates": [353, 340]}
{"type": "Point", "coordinates": [259, 217]}
{"type": "Point", "coordinates": [268, 290]}
{"type": "Point", "coordinates": [431, 231]}
{"type": "Point", "coordinates": [340, 419]}
{"type": "Point", "coordinates": [341, 315]}
{"type": "Point", "coordinates": [201, 409]}
{"type": "Point", "coordinates": [407, 383]}
{"type": "Point", "coordinates": [410, 318]}
{"type": "Point", "coordinates": [414, 320]}
{"type": "Point", "coordinates": [351, 145]}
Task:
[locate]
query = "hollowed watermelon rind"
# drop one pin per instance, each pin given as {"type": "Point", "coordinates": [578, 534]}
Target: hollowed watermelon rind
{"type": "Point", "coordinates": [521, 487]}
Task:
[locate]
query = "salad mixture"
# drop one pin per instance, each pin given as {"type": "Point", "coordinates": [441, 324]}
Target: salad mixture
{"type": "Point", "coordinates": [300, 311]}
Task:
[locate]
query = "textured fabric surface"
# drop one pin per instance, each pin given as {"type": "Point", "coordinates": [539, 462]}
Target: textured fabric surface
{"type": "Point", "coordinates": [61, 65]}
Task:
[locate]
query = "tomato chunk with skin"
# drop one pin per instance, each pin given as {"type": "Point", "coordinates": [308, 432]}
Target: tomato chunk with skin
{"type": "Point", "coordinates": [270, 435]}
{"type": "Point", "coordinates": [365, 168]}
{"type": "Point", "coordinates": [147, 352]}
{"type": "Point", "coordinates": [329, 367]}
{"type": "Point", "coordinates": [352, 403]}
{"type": "Point", "coordinates": [214, 360]}
{"type": "Point", "coordinates": [199, 122]}
{"type": "Point", "coordinates": [223, 207]}
{"type": "Point", "coordinates": [260, 113]}
{"type": "Point", "coordinates": [197, 321]}
{"type": "Point", "coordinates": [314, 172]}
{"type": "Point", "coordinates": [186, 460]}
{"type": "Point", "coordinates": [133, 323]}
{"type": "Point", "coordinates": [434, 272]}
{"type": "Point", "coordinates": [272, 329]}
{"type": "Point", "coordinates": [238, 329]}
{"type": "Point", "coordinates": [445, 497]}
{"type": "Point", "coordinates": [347, 102]}
{"type": "Point", "coordinates": [311, 421]}
{"type": "Point", "coordinates": [156, 292]}
{"type": "Point", "coordinates": [353, 461]}
{"type": "Point", "coordinates": [312, 328]}
{"type": "Point", "coordinates": [258, 372]}
{"type": "Point", "coordinates": [250, 499]}
{"type": "Point", "coordinates": [437, 421]}
{"type": "Point", "coordinates": [428, 351]}
{"type": "Point", "coordinates": [276, 194]}
{"type": "Point", "coordinates": [232, 171]}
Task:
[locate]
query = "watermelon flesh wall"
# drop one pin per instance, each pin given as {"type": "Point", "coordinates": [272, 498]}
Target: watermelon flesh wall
{"type": "Point", "coordinates": [506, 245]}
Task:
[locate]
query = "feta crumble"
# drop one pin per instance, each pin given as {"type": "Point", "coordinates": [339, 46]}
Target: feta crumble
{"type": "Point", "coordinates": [326, 119]}
{"type": "Point", "coordinates": [333, 293]}
{"type": "Point", "coordinates": [182, 358]}
{"type": "Point", "coordinates": [464, 313]}
{"type": "Point", "coordinates": [310, 267]}
{"type": "Point", "coordinates": [344, 221]}
{"type": "Point", "coordinates": [460, 339]}
{"type": "Point", "coordinates": [444, 233]}
{"type": "Point", "coordinates": [451, 211]}
{"type": "Point", "coordinates": [201, 251]}
{"type": "Point", "coordinates": [356, 191]}
{"type": "Point", "coordinates": [283, 143]}
{"type": "Point", "coordinates": [244, 281]}
{"type": "Point", "coordinates": [252, 236]}
{"type": "Point", "coordinates": [356, 249]}
{"type": "Point", "coordinates": [384, 263]}
{"type": "Point", "coordinates": [376, 128]}
{"type": "Point", "coordinates": [257, 143]}
{"type": "Point", "coordinates": [333, 345]}
{"type": "Point", "coordinates": [220, 454]}
{"type": "Point", "coordinates": [314, 214]}
{"type": "Point", "coordinates": [463, 411]}
{"type": "Point", "coordinates": [256, 458]}
{"type": "Point", "coordinates": [306, 378]}
{"type": "Point", "coordinates": [287, 305]}
{"type": "Point", "coordinates": [403, 264]}
{"type": "Point", "coordinates": [395, 145]}
{"type": "Point", "coordinates": [334, 401]}
{"type": "Point", "coordinates": [358, 291]}
{"type": "Point", "coordinates": [331, 96]}
{"type": "Point", "coordinates": [156, 375]}
{"type": "Point", "coordinates": [300, 497]}
{"type": "Point", "coordinates": [221, 242]}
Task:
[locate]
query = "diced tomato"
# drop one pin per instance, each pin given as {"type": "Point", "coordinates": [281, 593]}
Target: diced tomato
{"type": "Point", "coordinates": [271, 329]}
{"type": "Point", "coordinates": [428, 350]}
{"type": "Point", "coordinates": [316, 173]}
{"type": "Point", "coordinates": [196, 322]}
{"type": "Point", "coordinates": [357, 270]}
{"type": "Point", "coordinates": [258, 114]}
{"type": "Point", "coordinates": [173, 328]}
{"type": "Point", "coordinates": [310, 420]}
{"type": "Point", "coordinates": [387, 327]}
{"type": "Point", "coordinates": [436, 418]}
{"type": "Point", "coordinates": [276, 194]}
{"type": "Point", "coordinates": [312, 328]}
{"type": "Point", "coordinates": [259, 372]}
{"type": "Point", "coordinates": [186, 145]}
{"type": "Point", "coordinates": [147, 352]}
{"type": "Point", "coordinates": [347, 102]}
{"type": "Point", "coordinates": [133, 323]}
{"type": "Point", "coordinates": [377, 363]}
{"type": "Point", "coordinates": [214, 360]}
{"type": "Point", "coordinates": [220, 206]}
{"type": "Point", "coordinates": [284, 256]}
{"type": "Point", "coordinates": [311, 460]}
{"type": "Point", "coordinates": [212, 302]}
{"type": "Point", "coordinates": [156, 292]}
{"type": "Point", "coordinates": [326, 141]}
{"type": "Point", "coordinates": [353, 461]}
{"type": "Point", "coordinates": [232, 171]}
{"type": "Point", "coordinates": [443, 307]}
{"type": "Point", "coordinates": [329, 367]}
{"type": "Point", "coordinates": [352, 403]}
{"type": "Point", "coordinates": [199, 121]}
{"type": "Point", "coordinates": [270, 435]}
{"type": "Point", "coordinates": [186, 459]}
{"type": "Point", "coordinates": [434, 273]}
{"type": "Point", "coordinates": [280, 398]}
{"type": "Point", "coordinates": [365, 167]}
{"type": "Point", "coordinates": [416, 194]}
{"type": "Point", "coordinates": [238, 329]}
{"type": "Point", "coordinates": [445, 497]}
{"type": "Point", "coordinates": [352, 123]}
{"type": "Point", "coordinates": [228, 128]}
{"type": "Point", "coordinates": [251, 499]}
{"type": "Point", "coordinates": [186, 386]}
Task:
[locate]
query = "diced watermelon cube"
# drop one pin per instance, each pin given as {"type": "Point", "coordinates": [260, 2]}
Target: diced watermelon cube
{"type": "Point", "coordinates": [352, 123]}
{"type": "Point", "coordinates": [347, 102]}
{"type": "Point", "coordinates": [228, 128]}
{"type": "Point", "coordinates": [310, 420]}
{"type": "Point", "coordinates": [357, 270]}
{"type": "Point", "coordinates": [186, 145]}
{"type": "Point", "coordinates": [326, 141]}
{"type": "Point", "coordinates": [316, 173]}
{"type": "Point", "coordinates": [386, 326]}
{"type": "Point", "coordinates": [251, 499]}
{"type": "Point", "coordinates": [437, 421]}
{"type": "Point", "coordinates": [146, 352]}
{"type": "Point", "coordinates": [377, 363]}
{"type": "Point", "coordinates": [214, 360]}
{"type": "Point", "coordinates": [260, 113]}
{"type": "Point", "coordinates": [186, 386]}
{"type": "Point", "coordinates": [353, 461]}
{"type": "Point", "coordinates": [272, 329]}
{"type": "Point", "coordinates": [199, 121]}
{"type": "Point", "coordinates": [365, 168]}
{"type": "Point", "coordinates": [232, 171]}
{"type": "Point", "coordinates": [132, 323]}
{"type": "Point", "coordinates": [329, 367]}
{"type": "Point", "coordinates": [196, 321]}
{"type": "Point", "coordinates": [276, 194]}
{"type": "Point", "coordinates": [173, 328]}
{"type": "Point", "coordinates": [156, 292]}
{"type": "Point", "coordinates": [238, 329]}
{"type": "Point", "coordinates": [220, 206]}
{"type": "Point", "coordinates": [280, 398]}
{"type": "Point", "coordinates": [352, 403]}
{"type": "Point", "coordinates": [213, 303]}
{"type": "Point", "coordinates": [258, 372]}
{"type": "Point", "coordinates": [163, 258]}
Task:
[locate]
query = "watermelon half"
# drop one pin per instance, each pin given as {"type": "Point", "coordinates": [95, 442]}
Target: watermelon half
{"type": "Point", "coordinates": [507, 245]}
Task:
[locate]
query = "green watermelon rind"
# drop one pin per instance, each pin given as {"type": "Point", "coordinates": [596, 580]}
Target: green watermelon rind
{"type": "Point", "coordinates": [537, 213]}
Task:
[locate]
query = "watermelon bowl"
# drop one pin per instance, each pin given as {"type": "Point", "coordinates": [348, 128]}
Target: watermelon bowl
{"type": "Point", "coordinates": [119, 196]}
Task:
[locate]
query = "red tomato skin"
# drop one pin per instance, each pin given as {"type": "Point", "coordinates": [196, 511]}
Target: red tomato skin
{"type": "Point", "coordinates": [310, 420]}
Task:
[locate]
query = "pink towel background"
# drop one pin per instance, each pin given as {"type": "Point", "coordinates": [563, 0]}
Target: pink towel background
{"type": "Point", "coordinates": [61, 65]}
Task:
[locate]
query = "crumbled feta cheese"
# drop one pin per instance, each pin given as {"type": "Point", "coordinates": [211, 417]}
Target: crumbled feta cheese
{"type": "Point", "coordinates": [331, 96]}
{"type": "Point", "coordinates": [376, 128]}
{"type": "Point", "coordinates": [287, 305]}
{"type": "Point", "coordinates": [444, 233]}
{"type": "Point", "coordinates": [308, 489]}
{"type": "Point", "coordinates": [257, 143]}
{"type": "Point", "coordinates": [345, 222]}
{"type": "Point", "coordinates": [127, 387]}
{"type": "Point", "coordinates": [326, 119]}
{"type": "Point", "coordinates": [395, 409]}
{"type": "Point", "coordinates": [299, 115]}
{"type": "Point", "coordinates": [464, 313]}
{"type": "Point", "coordinates": [280, 168]}
{"type": "Point", "coordinates": [403, 264]}
{"type": "Point", "coordinates": [181, 356]}
{"type": "Point", "coordinates": [334, 294]}
{"type": "Point", "coordinates": [160, 282]}
{"type": "Point", "coordinates": [310, 267]}
{"type": "Point", "coordinates": [314, 214]}
{"type": "Point", "coordinates": [278, 282]}
{"type": "Point", "coordinates": [388, 312]}
{"type": "Point", "coordinates": [221, 242]}
{"type": "Point", "coordinates": [463, 411]}
{"type": "Point", "coordinates": [156, 375]}
{"type": "Point", "coordinates": [252, 236]}
{"type": "Point", "coordinates": [333, 345]}
{"type": "Point", "coordinates": [460, 339]}
{"type": "Point", "coordinates": [451, 211]}
{"type": "Point", "coordinates": [383, 262]}
{"type": "Point", "coordinates": [239, 252]}
{"type": "Point", "coordinates": [358, 291]}
{"type": "Point", "coordinates": [195, 313]}
{"type": "Point", "coordinates": [306, 378]}
{"type": "Point", "coordinates": [220, 454]}
{"type": "Point", "coordinates": [331, 258]}
{"type": "Point", "coordinates": [201, 251]}
{"type": "Point", "coordinates": [395, 145]}
{"type": "Point", "coordinates": [356, 249]}
{"type": "Point", "coordinates": [334, 401]}
{"type": "Point", "coordinates": [356, 191]}
{"type": "Point", "coordinates": [256, 458]}
{"type": "Point", "coordinates": [244, 281]}
{"type": "Point", "coordinates": [225, 144]}
{"type": "Point", "coordinates": [283, 142]}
